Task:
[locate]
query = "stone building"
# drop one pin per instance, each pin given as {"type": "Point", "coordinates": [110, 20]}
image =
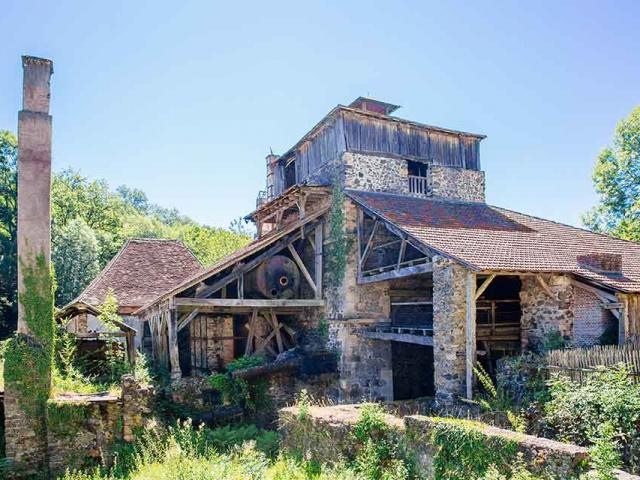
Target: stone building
{"type": "Point", "coordinates": [375, 241]}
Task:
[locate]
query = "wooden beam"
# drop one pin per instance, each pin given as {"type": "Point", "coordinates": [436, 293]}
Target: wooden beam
{"type": "Point", "coordinates": [485, 285]}
{"type": "Point", "coordinates": [391, 274]}
{"type": "Point", "coordinates": [174, 355]}
{"type": "Point", "coordinates": [367, 247]}
{"type": "Point", "coordinates": [247, 267]}
{"type": "Point", "coordinates": [318, 252]}
{"type": "Point", "coordinates": [247, 302]}
{"type": "Point", "coordinates": [399, 337]}
{"type": "Point", "coordinates": [403, 249]}
{"type": "Point", "coordinates": [276, 327]}
{"type": "Point", "coordinates": [471, 332]}
{"type": "Point", "coordinates": [249, 347]}
{"type": "Point", "coordinates": [545, 286]}
{"type": "Point", "coordinates": [303, 268]}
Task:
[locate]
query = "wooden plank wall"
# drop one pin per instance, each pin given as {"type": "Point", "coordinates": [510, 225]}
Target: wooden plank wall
{"type": "Point", "coordinates": [211, 342]}
{"type": "Point", "coordinates": [368, 134]}
{"type": "Point", "coordinates": [321, 149]}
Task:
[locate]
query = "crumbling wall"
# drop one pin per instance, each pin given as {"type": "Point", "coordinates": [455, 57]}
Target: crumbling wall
{"type": "Point", "coordinates": [449, 327]}
{"type": "Point", "coordinates": [544, 315]}
{"type": "Point", "coordinates": [324, 434]}
{"type": "Point", "coordinates": [82, 429]}
{"type": "Point", "coordinates": [457, 183]}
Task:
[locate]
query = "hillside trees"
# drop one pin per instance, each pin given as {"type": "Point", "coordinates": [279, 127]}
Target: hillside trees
{"type": "Point", "coordinates": [90, 223]}
{"type": "Point", "coordinates": [617, 181]}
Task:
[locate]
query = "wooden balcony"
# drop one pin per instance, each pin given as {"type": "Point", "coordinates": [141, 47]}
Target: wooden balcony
{"type": "Point", "coordinates": [419, 186]}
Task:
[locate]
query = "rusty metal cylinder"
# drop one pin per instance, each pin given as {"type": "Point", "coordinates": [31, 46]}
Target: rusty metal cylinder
{"type": "Point", "coordinates": [276, 277]}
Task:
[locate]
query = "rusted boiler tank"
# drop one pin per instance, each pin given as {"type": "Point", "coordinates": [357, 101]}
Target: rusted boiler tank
{"type": "Point", "coordinates": [276, 277]}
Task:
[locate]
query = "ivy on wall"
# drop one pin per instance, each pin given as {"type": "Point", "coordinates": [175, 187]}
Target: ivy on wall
{"type": "Point", "coordinates": [338, 245]}
{"type": "Point", "coordinates": [28, 358]}
{"type": "Point", "coordinates": [67, 418]}
{"type": "Point", "coordinates": [465, 452]}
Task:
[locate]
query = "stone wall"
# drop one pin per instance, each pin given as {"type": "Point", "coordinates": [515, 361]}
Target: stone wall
{"type": "Point", "coordinates": [364, 366]}
{"type": "Point", "coordinates": [325, 435]}
{"type": "Point", "coordinates": [457, 183]}
{"type": "Point", "coordinates": [543, 315]}
{"type": "Point", "coordinates": [376, 174]}
{"type": "Point", "coordinates": [449, 327]}
{"type": "Point", "coordinates": [81, 429]}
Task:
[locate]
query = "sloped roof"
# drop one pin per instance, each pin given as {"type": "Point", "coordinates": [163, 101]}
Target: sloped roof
{"type": "Point", "coordinates": [140, 271]}
{"type": "Point", "coordinates": [235, 257]}
{"type": "Point", "coordinates": [490, 238]}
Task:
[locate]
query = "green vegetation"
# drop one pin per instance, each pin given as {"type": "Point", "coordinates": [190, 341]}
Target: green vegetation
{"type": "Point", "coordinates": [617, 182]}
{"type": "Point", "coordinates": [185, 452]}
{"type": "Point", "coordinates": [464, 452]}
{"type": "Point", "coordinates": [28, 358]}
{"type": "Point", "coordinates": [239, 392]}
{"type": "Point", "coordinates": [608, 400]}
{"type": "Point", "coordinates": [66, 418]}
{"type": "Point", "coordinates": [338, 244]}
{"type": "Point", "coordinates": [90, 224]}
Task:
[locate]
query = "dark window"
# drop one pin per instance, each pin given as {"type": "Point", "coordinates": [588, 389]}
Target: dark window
{"type": "Point", "coordinates": [290, 175]}
{"type": "Point", "coordinates": [418, 169]}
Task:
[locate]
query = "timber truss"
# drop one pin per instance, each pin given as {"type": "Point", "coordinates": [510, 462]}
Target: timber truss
{"type": "Point", "coordinates": [223, 291]}
{"type": "Point", "coordinates": [291, 206]}
{"type": "Point", "coordinates": [386, 251]}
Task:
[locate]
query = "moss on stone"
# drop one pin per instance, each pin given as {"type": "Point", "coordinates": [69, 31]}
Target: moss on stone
{"type": "Point", "coordinates": [465, 452]}
{"type": "Point", "coordinates": [66, 418]}
{"type": "Point", "coordinates": [28, 358]}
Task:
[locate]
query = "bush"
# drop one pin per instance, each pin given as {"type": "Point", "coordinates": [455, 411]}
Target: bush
{"type": "Point", "coordinates": [238, 391]}
{"type": "Point", "coordinates": [576, 412]}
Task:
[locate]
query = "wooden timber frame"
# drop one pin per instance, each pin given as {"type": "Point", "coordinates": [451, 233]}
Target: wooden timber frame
{"type": "Point", "coordinates": [170, 316]}
{"type": "Point", "coordinates": [396, 255]}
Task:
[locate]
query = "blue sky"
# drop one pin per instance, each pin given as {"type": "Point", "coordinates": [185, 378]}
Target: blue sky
{"type": "Point", "coordinates": [183, 99]}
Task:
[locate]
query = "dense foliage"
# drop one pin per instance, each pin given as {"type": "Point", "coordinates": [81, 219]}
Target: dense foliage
{"type": "Point", "coordinates": [90, 224]}
{"type": "Point", "coordinates": [239, 392]}
{"type": "Point", "coordinates": [607, 400]}
{"type": "Point", "coordinates": [617, 182]}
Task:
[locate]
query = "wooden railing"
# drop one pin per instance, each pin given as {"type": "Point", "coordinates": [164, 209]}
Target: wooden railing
{"type": "Point", "coordinates": [419, 185]}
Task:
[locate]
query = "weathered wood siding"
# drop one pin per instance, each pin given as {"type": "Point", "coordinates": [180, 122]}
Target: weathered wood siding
{"type": "Point", "coordinates": [370, 134]}
{"type": "Point", "coordinates": [352, 132]}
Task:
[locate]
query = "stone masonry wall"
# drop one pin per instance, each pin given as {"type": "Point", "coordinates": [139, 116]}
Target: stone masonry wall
{"type": "Point", "coordinates": [457, 183]}
{"type": "Point", "coordinates": [364, 365]}
{"type": "Point", "coordinates": [543, 315]}
{"type": "Point", "coordinates": [449, 327]}
{"type": "Point", "coordinates": [325, 434]}
{"type": "Point", "coordinates": [376, 174]}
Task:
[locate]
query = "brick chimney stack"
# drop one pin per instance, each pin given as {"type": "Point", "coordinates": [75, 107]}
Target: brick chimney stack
{"type": "Point", "coordinates": [34, 168]}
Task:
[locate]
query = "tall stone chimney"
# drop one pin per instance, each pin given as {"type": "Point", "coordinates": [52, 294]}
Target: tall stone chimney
{"type": "Point", "coordinates": [27, 365]}
{"type": "Point", "coordinates": [34, 170]}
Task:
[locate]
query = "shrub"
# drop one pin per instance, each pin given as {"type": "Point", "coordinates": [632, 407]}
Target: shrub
{"type": "Point", "coordinates": [238, 391]}
{"type": "Point", "coordinates": [576, 411]}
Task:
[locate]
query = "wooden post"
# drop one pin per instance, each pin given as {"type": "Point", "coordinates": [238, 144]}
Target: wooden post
{"type": "Point", "coordinates": [623, 320]}
{"type": "Point", "coordinates": [174, 354]}
{"type": "Point", "coordinates": [471, 332]}
{"type": "Point", "coordinates": [131, 348]}
{"type": "Point", "coordinates": [318, 259]}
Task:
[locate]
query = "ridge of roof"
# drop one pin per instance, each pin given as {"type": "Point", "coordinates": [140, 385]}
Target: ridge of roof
{"type": "Point", "coordinates": [380, 116]}
{"type": "Point", "coordinates": [184, 250]}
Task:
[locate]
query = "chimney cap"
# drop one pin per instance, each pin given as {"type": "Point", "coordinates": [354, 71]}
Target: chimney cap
{"type": "Point", "coordinates": [372, 105]}
{"type": "Point", "coordinates": [29, 60]}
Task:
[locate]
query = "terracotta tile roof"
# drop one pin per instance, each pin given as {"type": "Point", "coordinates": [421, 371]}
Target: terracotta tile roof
{"type": "Point", "coordinates": [490, 238]}
{"type": "Point", "coordinates": [140, 271]}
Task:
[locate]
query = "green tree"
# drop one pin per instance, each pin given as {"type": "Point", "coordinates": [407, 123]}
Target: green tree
{"type": "Point", "coordinates": [617, 181]}
{"type": "Point", "coordinates": [8, 230]}
{"type": "Point", "coordinates": [75, 257]}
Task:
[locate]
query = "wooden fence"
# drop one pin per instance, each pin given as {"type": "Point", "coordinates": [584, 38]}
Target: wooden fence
{"type": "Point", "coordinates": [579, 363]}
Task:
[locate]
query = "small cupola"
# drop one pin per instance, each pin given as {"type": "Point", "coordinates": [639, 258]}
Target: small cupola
{"type": "Point", "coordinates": [372, 105]}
